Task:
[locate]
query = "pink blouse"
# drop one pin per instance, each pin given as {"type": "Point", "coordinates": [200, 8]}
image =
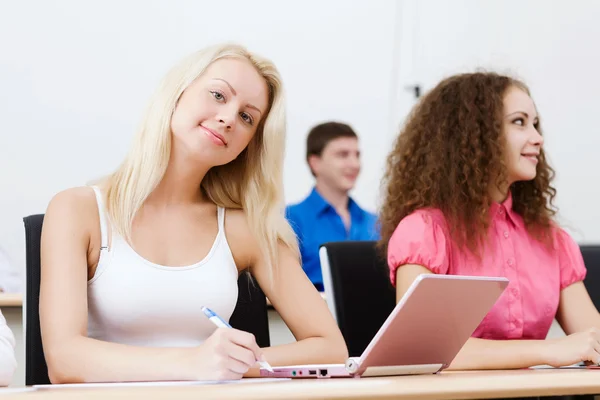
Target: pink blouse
{"type": "Point", "coordinates": [528, 306]}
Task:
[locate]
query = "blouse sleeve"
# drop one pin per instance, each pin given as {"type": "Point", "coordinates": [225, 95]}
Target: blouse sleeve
{"type": "Point", "coordinates": [418, 239]}
{"type": "Point", "coordinates": [572, 267]}
{"type": "Point", "coordinates": [8, 362]}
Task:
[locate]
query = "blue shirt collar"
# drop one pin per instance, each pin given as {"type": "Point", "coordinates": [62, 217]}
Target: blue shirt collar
{"type": "Point", "coordinates": [319, 205]}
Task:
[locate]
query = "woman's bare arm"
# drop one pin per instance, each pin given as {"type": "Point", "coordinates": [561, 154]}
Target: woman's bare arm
{"type": "Point", "coordinates": [318, 338]}
{"type": "Point", "coordinates": [72, 356]}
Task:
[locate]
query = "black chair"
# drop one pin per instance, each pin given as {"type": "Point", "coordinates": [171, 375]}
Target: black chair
{"type": "Point", "coordinates": [250, 313]}
{"type": "Point", "coordinates": [359, 292]}
{"type": "Point", "coordinates": [591, 258]}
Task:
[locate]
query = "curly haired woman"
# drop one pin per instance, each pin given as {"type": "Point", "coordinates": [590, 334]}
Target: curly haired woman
{"type": "Point", "coordinates": [468, 191]}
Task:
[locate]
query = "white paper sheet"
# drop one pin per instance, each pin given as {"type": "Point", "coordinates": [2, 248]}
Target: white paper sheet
{"type": "Point", "coordinates": [574, 366]}
{"type": "Point", "coordinates": [160, 383]}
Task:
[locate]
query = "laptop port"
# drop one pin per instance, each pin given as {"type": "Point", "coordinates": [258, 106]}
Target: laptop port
{"type": "Point", "coordinates": [312, 372]}
{"type": "Point", "coordinates": [323, 372]}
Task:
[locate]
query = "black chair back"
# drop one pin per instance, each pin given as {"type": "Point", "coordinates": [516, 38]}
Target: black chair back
{"type": "Point", "coordinates": [358, 290]}
{"type": "Point", "coordinates": [591, 258]}
{"type": "Point", "coordinates": [250, 313]}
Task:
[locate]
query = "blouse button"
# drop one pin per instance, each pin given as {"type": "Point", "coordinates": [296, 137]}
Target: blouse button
{"type": "Point", "coordinates": [506, 234]}
{"type": "Point", "coordinates": [510, 262]}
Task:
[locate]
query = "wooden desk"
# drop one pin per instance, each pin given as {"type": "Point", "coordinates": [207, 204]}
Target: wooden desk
{"type": "Point", "coordinates": [448, 385]}
{"type": "Point", "coordinates": [11, 300]}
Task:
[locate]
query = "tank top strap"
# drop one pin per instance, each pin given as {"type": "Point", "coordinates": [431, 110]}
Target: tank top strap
{"type": "Point", "coordinates": [221, 219]}
{"type": "Point", "coordinates": [102, 215]}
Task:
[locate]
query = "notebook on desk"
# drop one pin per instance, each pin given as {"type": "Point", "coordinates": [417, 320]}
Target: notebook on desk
{"type": "Point", "coordinates": [423, 333]}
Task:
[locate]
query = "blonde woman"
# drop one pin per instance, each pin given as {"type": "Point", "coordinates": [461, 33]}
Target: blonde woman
{"type": "Point", "coordinates": [128, 264]}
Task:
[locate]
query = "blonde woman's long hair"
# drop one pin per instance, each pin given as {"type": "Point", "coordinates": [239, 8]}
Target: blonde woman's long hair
{"type": "Point", "coordinates": [252, 182]}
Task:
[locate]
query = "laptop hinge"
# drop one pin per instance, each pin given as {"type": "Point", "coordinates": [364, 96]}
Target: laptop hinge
{"type": "Point", "coordinates": [395, 370]}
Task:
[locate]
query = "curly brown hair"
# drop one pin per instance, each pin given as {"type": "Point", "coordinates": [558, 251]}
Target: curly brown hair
{"type": "Point", "coordinates": [450, 152]}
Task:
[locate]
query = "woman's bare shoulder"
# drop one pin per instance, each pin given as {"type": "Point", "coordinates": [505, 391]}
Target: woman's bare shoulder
{"type": "Point", "coordinates": [73, 206]}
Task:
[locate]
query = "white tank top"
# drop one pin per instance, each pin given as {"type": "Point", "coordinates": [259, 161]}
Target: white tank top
{"type": "Point", "coordinates": [136, 302]}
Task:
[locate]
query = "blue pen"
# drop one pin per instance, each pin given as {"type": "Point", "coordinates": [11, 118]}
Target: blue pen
{"type": "Point", "coordinates": [220, 323]}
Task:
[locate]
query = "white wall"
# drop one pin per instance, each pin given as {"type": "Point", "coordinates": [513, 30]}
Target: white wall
{"type": "Point", "coordinates": [76, 75]}
{"type": "Point", "coordinates": [553, 47]}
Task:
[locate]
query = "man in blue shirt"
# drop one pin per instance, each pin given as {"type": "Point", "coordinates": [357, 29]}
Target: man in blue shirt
{"type": "Point", "coordinates": [328, 214]}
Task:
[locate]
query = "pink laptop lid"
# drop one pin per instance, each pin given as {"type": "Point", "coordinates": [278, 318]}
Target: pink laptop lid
{"type": "Point", "coordinates": [432, 321]}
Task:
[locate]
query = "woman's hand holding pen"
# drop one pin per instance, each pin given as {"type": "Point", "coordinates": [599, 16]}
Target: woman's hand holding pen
{"type": "Point", "coordinates": [227, 354]}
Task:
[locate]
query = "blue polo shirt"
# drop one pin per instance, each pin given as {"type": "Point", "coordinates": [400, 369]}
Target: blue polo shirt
{"type": "Point", "coordinates": [316, 222]}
